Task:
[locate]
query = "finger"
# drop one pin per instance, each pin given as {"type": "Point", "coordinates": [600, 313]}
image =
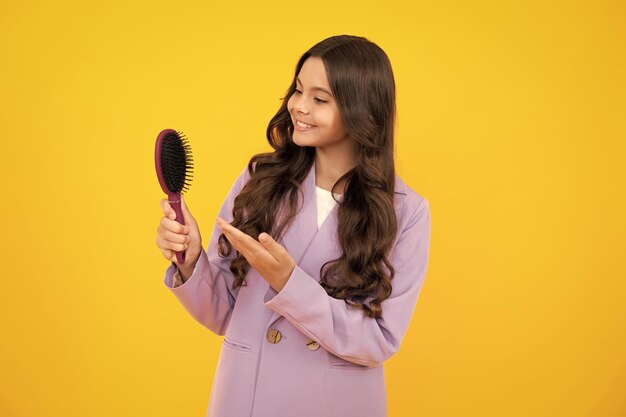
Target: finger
{"type": "Point", "coordinates": [233, 241]}
{"type": "Point", "coordinates": [244, 243]}
{"type": "Point", "coordinates": [167, 209]}
{"type": "Point", "coordinates": [173, 226]}
{"type": "Point", "coordinates": [167, 254]}
{"type": "Point", "coordinates": [182, 201]}
{"type": "Point", "coordinates": [236, 241]}
{"type": "Point", "coordinates": [240, 237]}
{"type": "Point", "coordinates": [175, 237]}
{"type": "Point", "coordinates": [174, 246]}
{"type": "Point", "coordinates": [273, 247]}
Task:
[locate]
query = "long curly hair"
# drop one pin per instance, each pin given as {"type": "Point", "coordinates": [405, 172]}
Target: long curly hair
{"type": "Point", "coordinates": [361, 80]}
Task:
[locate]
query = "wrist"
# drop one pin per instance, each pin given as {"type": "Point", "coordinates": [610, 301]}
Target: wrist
{"type": "Point", "coordinates": [185, 273]}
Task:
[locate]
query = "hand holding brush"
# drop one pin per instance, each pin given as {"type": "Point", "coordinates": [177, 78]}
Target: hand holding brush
{"type": "Point", "coordinates": [177, 234]}
{"type": "Point", "coordinates": [174, 237]}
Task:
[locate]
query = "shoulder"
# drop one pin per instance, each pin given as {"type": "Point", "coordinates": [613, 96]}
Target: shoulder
{"type": "Point", "coordinates": [410, 205]}
{"type": "Point", "coordinates": [244, 176]}
{"type": "Point", "coordinates": [406, 198]}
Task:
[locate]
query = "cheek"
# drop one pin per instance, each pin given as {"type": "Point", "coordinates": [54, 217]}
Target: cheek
{"type": "Point", "coordinates": [334, 123]}
{"type": "Point", "coordinates": [290, 105]}
{"type": "Point", "coordinates": [338, 123]}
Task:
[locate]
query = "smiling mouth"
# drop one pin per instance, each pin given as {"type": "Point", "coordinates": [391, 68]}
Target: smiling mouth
{"type": "Point", "coordinates": [304, 125]}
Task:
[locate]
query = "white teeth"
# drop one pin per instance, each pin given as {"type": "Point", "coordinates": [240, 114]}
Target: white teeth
{"type": "Point", "coordinates": [303, 124]}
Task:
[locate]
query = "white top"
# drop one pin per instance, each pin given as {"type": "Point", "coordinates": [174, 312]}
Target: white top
{"type": "Point", "coordinates": [325, 204]}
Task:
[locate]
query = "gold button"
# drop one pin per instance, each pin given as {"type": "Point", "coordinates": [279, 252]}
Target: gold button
{"type": "Point", "coordinates": [274, 336]}
{"type": "Point", "coordinates": [312, 344]}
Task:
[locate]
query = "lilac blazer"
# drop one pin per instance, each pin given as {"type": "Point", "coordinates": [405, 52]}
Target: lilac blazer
{"type": "Point", "coordinates": [300, 352]}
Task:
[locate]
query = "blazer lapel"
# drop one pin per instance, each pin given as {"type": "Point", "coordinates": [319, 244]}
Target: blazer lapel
{"type": "Point", "coordinates": [300, 233]}
{"type": "Point", "coordinates": [310, 247]}
{"type": "Point", "coordinates": [303, 237]}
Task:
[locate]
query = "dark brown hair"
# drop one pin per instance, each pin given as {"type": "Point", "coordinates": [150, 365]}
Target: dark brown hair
{"type": "Point", "coordinates": [362, 83]}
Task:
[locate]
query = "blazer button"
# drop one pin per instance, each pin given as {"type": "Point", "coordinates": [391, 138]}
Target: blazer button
{"type": "Point", "coordinates": [312, 344]}
{"type": "Point", "coordinates": [274, 336]}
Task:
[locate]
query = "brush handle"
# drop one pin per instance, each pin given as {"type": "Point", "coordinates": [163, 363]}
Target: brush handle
{"type": "Point", "coordinates": [174, 200]}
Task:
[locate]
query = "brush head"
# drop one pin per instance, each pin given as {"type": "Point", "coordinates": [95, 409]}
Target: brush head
{"type": "Point", "coordinates": [173, 160]}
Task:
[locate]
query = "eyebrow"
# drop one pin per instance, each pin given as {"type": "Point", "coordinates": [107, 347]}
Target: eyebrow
{"type": "Point", "coordinates": [316, 88]}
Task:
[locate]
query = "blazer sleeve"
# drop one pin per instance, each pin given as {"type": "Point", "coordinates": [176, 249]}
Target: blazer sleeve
{"type": "Point", "coordinates": [207, 295]}
{"type": "Point", "coordinates": [346, 331]}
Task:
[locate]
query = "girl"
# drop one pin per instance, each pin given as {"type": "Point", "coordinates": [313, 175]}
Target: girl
{"type": "Point", "coordinates": [319, 252]}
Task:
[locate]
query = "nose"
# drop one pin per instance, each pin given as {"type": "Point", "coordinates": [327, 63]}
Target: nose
{"type": "Point", "coordinates": [299, 105]}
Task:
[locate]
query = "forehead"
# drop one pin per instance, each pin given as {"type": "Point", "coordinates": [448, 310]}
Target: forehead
{"type": "Point", "coordinates": [313, 73]}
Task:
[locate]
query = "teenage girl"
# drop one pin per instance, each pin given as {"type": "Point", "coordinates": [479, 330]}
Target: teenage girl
{"type": "Point", "coordinates": [317, 257]}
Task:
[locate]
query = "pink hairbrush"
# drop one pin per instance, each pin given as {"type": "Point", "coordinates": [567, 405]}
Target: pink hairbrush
{"type": "Point", "coordinates": [172, 157]}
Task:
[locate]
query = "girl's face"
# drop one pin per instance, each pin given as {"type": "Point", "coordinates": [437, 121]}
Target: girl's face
{"type": "Point", "coordinates": [312, 103]}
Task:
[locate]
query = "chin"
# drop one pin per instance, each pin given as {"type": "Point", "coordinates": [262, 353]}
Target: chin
{"type": "Point", "coordinates": [298, 141]}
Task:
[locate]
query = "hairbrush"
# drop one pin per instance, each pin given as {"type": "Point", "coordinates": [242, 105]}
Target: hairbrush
{"type": "Point", "coordinates": [172, 157]}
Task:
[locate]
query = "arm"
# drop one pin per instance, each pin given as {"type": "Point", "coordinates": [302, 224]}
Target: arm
{"type": "Point", "coordinates": [346, 331]}
{"type": "Point", "coordinates": [207, 293]}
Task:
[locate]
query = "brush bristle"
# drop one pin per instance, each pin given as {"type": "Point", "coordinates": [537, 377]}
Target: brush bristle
{"type": "Point", "coordinates": [176, 162]}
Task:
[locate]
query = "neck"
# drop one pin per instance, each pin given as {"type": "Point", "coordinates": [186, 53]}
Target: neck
{"type": "Point", "coordinates": [330, 165]}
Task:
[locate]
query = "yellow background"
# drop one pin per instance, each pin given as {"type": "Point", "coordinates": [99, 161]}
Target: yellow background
{"type": "Point", "coordinates": [510, 121]}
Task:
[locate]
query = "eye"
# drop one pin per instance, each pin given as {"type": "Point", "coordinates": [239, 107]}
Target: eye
{"type": "Point", "coordinates": [319, 100]}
